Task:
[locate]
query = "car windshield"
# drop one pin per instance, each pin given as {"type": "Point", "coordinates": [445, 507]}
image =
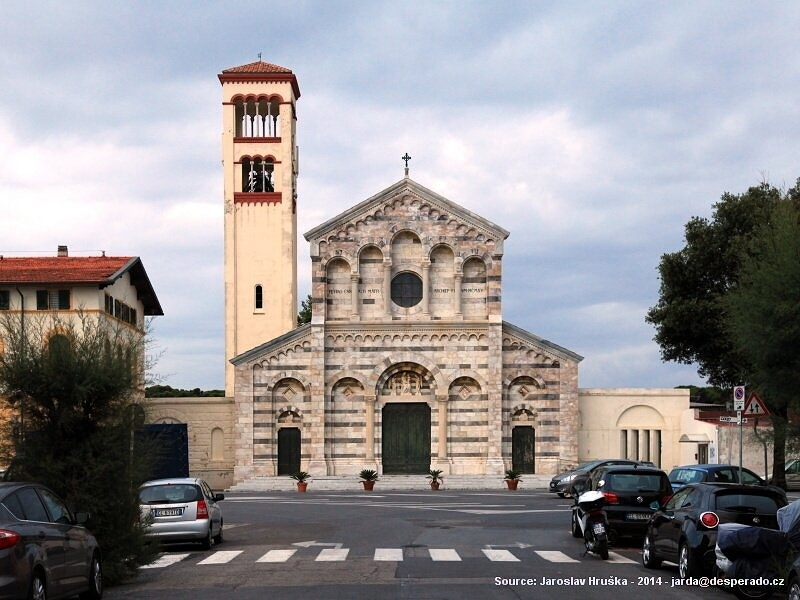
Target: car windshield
{"type": "Point", "coordinates": [168, 494]}
{"type": "Point", "coordinates": [634, 482]}
{"type": "Point", "coordinates": [750, 503]}
{"type": "Point", "coordinates": [685, 476]}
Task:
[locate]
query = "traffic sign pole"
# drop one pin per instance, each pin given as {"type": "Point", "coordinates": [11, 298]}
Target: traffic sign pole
{"type": "Point", "coordinates": [738, 405]}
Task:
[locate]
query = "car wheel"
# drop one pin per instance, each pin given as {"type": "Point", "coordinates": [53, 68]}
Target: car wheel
{"type": "Point", "coordinates": [576, 528]}
{"type": "Point", "coordinates": [95, 591]}
{"type": "Point", "coordinates": [218, 537]}
{"type": "Point", "coordinates": [38, 589]}
{"type": "Point", "coordinates": [649, 559]}
{"type": "Point", "coordinates": [686, 567]}
{"type": "Point", "coordinates": [793, 592]}
{"type": "Point", "coordinates": [208, 541]}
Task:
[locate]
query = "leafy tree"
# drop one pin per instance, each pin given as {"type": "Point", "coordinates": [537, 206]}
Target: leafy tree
{"type": "Point", "coordinates": [72, 384]}
{"type": "Point", "coordinates": [689, 317]}
{"type": "Point", "coordinates": [764, 319]}
{"type": "Point", "coordinates": [304, 314]}
{"type": "Point", "coordinates": [166, 391]}
{"type": "Point", "coordinates": [700, 318]}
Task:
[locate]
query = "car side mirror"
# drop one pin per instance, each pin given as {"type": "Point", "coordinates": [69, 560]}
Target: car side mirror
{"type": "Point", "coordinates": [218, 497]}
{"type": "Point", "coordinates": [654, 505]}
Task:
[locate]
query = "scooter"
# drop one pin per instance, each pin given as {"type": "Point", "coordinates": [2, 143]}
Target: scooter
{"type": "Point", "coordinates": [589, 521]}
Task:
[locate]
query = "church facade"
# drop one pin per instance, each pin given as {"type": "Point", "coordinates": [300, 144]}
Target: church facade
{"type": "Point", "coordinates": [407, 364]}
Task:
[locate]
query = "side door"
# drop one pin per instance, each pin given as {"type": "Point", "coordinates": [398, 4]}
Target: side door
{"type": "Point", "coordinates": [667, 523]}
{"type": "Point", "coordinates": [76, 559]}
{"type": "Point", "coordinates": [49, 540]}
{"type": "Point", "coordinates": [214, 510]}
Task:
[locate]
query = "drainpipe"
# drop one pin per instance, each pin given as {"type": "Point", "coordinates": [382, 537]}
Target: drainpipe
{"type": "Point", "coordinates": [21, 311]}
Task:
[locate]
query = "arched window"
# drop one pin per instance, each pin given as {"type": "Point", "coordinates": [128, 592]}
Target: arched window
{"type": "Point", "coordinates": [259, 297]}
{"type": "Point", "coordinates": [257, 175]}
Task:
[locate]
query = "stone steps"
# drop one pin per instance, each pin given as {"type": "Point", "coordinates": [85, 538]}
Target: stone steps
{"type": "Point", "coordinates": [283, 483]}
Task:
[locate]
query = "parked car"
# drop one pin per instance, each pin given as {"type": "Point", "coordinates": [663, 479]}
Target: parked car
{"type": "Point", "coordinates": [629, 491]}
{"type": "Point", "coordinates": [793, 580]}
{"type": "Point", "coordinates": [562, 483]}
{"type": "Point", "coordinates": [680, 476]}
{"type": "Point", "coordinates": [181, 510]}
{"type": "Point", "coordinates": [45, 551]}
{"type": "Point", "coordinates": [792, 474]}
{"type": "Point", "coordinates": [684, 530]}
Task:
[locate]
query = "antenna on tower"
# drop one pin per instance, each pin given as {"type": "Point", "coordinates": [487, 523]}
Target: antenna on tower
{"type": "Point", "coordinates": [259, 57]}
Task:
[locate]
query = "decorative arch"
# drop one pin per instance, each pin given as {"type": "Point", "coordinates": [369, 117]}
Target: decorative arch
{"type": "Point", "coordinates": [442, 287]}
{"type": "Point", "coordinates": [338, 289]}
{"type": "Point", "coordinates": [371, 285]}
{"type": "Point", "coordinates": [474, 288]}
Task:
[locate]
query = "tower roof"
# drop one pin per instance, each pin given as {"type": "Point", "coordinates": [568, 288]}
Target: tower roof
{"type": "Point", "coordinates": [260, 71]}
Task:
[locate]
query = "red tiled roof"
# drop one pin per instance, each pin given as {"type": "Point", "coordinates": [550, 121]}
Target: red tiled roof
{"type": "Point", "coordinates": [61, 269]}
{"type": "Point", "coordinates": [258, 67]}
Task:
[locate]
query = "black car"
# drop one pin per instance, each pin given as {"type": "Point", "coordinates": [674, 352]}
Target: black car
{"type": "Point", "coordinates": [562, 483]}
{"type": "Point", "coordinates": [684, 530]}
{"type": "Point", "coordinates": [629, 491]}
{"type": "Point", "coordinates": [681, 476]}
{"type": "Point", "coordinates": [44, 550]}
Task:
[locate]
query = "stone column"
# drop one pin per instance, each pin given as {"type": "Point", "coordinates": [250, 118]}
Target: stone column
{"type": "Point", "coordinates": [442, 462]}
{"type": "Point", "coordinates": [426, 288]}
{"type": "Point", "coordinates": [354, 293]}
{"type": "Point", "coordinates": [387, 288]}
{"type": "Point", "coordinates": [457, 296]}
{"type": "Point", "coordinates": [369, 433]}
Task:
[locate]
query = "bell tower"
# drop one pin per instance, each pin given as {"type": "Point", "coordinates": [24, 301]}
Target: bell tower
{"type": "Point", "coordinates": [260, 167]}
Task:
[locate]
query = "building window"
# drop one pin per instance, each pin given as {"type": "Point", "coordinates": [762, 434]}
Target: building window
{"type": "Point", "coordinates": [259, 297]}
{"type": "Point", "coordinates": [406, 289]}
{"type": "Point", "coordinates": [257, 175]}
{"type": "Point", "coordinates": [52, 299]}
{"type": "Point", "coordinates": [5, 300]}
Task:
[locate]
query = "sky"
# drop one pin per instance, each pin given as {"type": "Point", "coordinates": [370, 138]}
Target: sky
{"type": "Point", "coordinates": [592, 131]}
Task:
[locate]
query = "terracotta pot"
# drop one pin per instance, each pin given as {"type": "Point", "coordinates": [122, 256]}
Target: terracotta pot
{"type": "Point", "coordinates": [301, 486]}
{"type": "Point", "coordinates": [368, 485]}
{"type": "Point", "coordinates": [435, 485]}
{"type": "Point", "coordinates": [512, 483]}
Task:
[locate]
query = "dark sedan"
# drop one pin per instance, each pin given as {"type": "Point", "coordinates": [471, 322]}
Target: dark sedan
{"type": "Point", "coordinates": [684, 530]}
{"type": "Point", "coordinates": [562, 483]}
{"type": "Point", "coordinates": [680, 476]}
{"type": "Point", "coordinates": [44, 551]}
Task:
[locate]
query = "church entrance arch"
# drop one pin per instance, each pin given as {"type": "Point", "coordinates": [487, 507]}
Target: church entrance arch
{"type": "Point", "coordinates": [406, 439]}
{"type": "Point", "coordinates": [405, 391]}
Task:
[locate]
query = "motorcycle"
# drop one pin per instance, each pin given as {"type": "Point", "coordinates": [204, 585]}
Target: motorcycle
{"type": "Point", "coordinates": [758, 554]}
{"type": "Point", "coordinates": [589, 521]}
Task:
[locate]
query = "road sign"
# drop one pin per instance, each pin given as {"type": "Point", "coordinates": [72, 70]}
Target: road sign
{"type": "Point", "coordinates": [727, 419]}
{"type": "Point", "coordinates": [755, 406]}
{"type": "Point", "coordinates": [738, 397]}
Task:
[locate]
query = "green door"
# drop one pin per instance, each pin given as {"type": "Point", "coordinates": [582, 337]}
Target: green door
{"type": "Point", "coordinates": [522, 452]}
{"type": "Point", "coordinates": [406, 439]}
{"type": "Point", "coordinates": [288, 450]}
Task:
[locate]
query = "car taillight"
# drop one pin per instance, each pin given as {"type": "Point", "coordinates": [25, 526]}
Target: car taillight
{"type": "Point", "coordinates": [709, 519]}
{"type": "Point", "coordinates": [202, 509]}
{"type": "Point", "coordinates": [8, 538]}
{"type": "Point", "coordinates": [611, 498]}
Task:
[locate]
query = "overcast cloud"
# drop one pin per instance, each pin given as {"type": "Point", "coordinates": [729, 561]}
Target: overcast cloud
{"type": "Point", "coordinates": [592, 131]}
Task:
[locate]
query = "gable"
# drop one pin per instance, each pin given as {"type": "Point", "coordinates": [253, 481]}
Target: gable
{"type": "Point", "coordinates": [517, 339]}
{"type": "Point", "coordinates": [405, 205]}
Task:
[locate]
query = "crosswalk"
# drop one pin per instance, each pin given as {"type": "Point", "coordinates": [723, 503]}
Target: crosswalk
{"type": "Point", "coordinates": [338, 554]}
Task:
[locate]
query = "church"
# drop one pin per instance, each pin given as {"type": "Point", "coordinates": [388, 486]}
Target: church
{"type": "Point", "coordinates": [407, 364]}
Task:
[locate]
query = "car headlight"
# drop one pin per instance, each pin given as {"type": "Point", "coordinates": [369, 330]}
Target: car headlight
{"type": "Point", "coordinates": [568, 478]}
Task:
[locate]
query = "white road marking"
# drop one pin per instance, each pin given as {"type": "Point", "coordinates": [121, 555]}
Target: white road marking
{"type": "Point", "coordinates": [165, 560]}
{"type": "Point", "coordinates": [332, 554]}
{"type": "Point", "coordinates": [555, 556]}
{"type": "Point", "coordinates": [499, 555]}
{"type": "Point", "coordinates": [390, 554]}
{"type": "Point", "coordinates": [274, 556]}
{"type": "Point", "coordinates": [444, 554]}
{"type": "Point", "coordinates": [613, 557]}
{"type": "Point", "coordinates": [220, 557]}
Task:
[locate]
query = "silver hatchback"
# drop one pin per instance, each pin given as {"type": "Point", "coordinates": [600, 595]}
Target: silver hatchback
{"type": "Point", "coordinates": [181, 510]}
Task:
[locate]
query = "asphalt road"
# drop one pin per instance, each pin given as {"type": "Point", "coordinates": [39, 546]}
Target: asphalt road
{"type": "Point", "coordinates": [401, 545]}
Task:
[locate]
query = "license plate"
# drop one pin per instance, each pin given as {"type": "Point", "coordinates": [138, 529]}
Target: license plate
{"type": "Point", "coordinates": [167, 512]}
{"type": "Point", "coordinates": [598, 528]}
{"type": "Point", "coordinates": [638, 516]}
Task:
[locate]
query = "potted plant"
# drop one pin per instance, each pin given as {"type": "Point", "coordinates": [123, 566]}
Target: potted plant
{"type": "Point", "coordinates": [435, 475]}
{"type": "Point", "coordinates": [300, 477]}
{"type": "Point", "coordinates": [512, 479]}
{"type": "Point", "coordinates": [368, 478]}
